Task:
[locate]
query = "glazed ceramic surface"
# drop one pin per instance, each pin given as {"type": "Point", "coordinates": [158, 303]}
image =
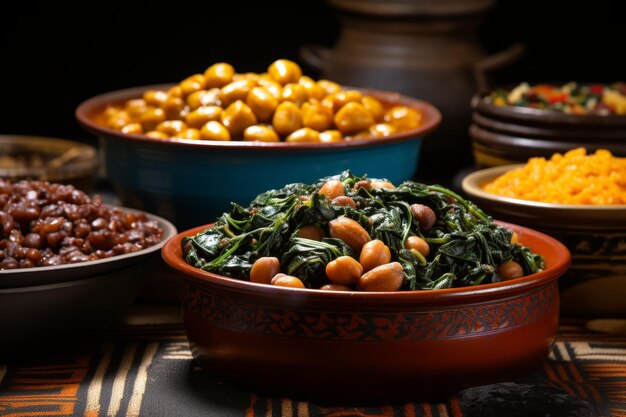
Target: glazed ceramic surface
{"type": "Point", "coordinates": [65, 161]}
{"type": "Point", "coordinates": [371, 346]}
{"type": "Point", "coordinates": [190, 182]}
{"type": "Point", "coordinates": [503, 135]}
{"type": "Point", "coordinates": [595, 235]}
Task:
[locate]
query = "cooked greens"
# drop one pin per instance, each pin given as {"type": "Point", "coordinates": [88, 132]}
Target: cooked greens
{"type": "Point", "coordinates": [465, 245]}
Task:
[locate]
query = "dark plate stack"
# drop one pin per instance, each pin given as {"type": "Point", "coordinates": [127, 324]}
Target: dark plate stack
{"type": "Point", "coordinates": [508, 134]}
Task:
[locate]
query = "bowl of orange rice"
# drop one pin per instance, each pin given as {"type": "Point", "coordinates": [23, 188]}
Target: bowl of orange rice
{"type": "Point", "coordinates": [578, 198]}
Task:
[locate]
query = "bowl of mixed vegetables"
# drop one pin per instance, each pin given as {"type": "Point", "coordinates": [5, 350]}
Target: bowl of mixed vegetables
{"type": "Point", "coordinates": [372, 290]}
{"type": "Point", "coordinates": [187, 150]}
{"type": "Point", "coordinates": [511, 125]}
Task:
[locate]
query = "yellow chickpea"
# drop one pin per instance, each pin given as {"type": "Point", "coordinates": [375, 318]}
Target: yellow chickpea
{"type": "Point", "coordinates": [264, 269]}
{"type": "Point", "coordinates": [275, 89]}
{"type": "Point", "coordinates": [214, 131]}
{"type": "Point", "coordinates": [313, 90]}
{"type": "Point", "coordinates": [262, 103]}
{"type": "Point", "coordinates": [237, 117]}
{"type": "Point", "coordinates": [328, 87]}
{"type": "Point", "coordinates": [284, 71]}
{"type": "Point", "coordinates": [295, 93]}
{"type": "Point", "coordinates": [136, 107]}
{"type": "Point", "coordinates": [302, 135]}
{"type": "Point", "coordinates": [192, 83]}
{"type": "Point", "coordinates": [403, 118]}
{"type": "Point", "coordinates": [312, 232]}
{"type": "Point", "coordinates": [382, 129]}
{"type": "Point", "coordinates": [157, 135]}
{"type": "Point", "coordinates": [118, 120]}
{"type": "Point", "coordinates": [373, 254]}
{"type": "Point", "coordinates": [337, 100]}
{"type": "Point", "coordinates": [419, 244]}
{"type": "Point", "coordinates": [287, 118]}
{"type": "Point", "coordinates": [155, 97]}
{"type": "Point", "coordinates": [173, 107]}
{"type": "Point", "coordinates": [218, 75]}
{"type": "Point", "coordinates": [377, 184]}
{"type": "Point", "coordinates": [330, 136]}
{"type": "Point", "coordinates": [353, 118]}
{"type": "Point", "coordinates": [202, 115]}
{"type": "Point", "coordinates": [332, 189]}
{"type": "Point", "coordinates": [344, 270]}
{"type": "Point", "coordinates": [171, 127]}
{"type": "Point", "coordinates": [260, 133]}
{"type": "Point", "coordinates": [252, 76]}
{"type": "Point", "coordinates": [151, 118]}
{"type": "Point", "coordinates": [110, 111]}
{"type": "Point", "coordinates": [133, 129]}
{"type": "Point", "coordinates": [375, 108]}
{"type": "Point", "coordinates": [316, 116]}
{"type": "Point", "coordinates": [204, 98]}
{"type": "Point", "coordinates": [237, 90]}
{"type": "Point", "coordinates": [190, 133]}
{"type": "Point", "coordinates": [175, 91]}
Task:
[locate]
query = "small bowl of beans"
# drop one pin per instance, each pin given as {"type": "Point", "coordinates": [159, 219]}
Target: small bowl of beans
{"type": "Point", "coordinates": [579, 198]}
{"type": "Point", "coordinates": [187, 150]}
{"type": "Point", "coordinates": [351, 277]}
{"type": "Point", "coordinates": [68, 260]}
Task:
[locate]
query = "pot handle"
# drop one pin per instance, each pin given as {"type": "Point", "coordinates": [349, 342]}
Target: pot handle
{"type": "Point", "coordinates": [316, 56]}
{"type": "Point", "coordinates": [495, 62]}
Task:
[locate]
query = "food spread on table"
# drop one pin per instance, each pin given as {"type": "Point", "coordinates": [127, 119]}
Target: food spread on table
{"type": "Point", "coordinates": [347, 232]}
{"type": "Point", "coordinates": [571, 98]}
{"type": "Point", "coordinates": [571, 178]}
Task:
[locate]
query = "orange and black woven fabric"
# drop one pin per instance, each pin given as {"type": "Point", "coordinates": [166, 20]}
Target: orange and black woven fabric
{"type": "Point", "coordinates": [148, 371]}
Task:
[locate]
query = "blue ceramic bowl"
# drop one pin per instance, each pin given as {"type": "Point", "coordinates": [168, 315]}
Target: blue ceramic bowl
{"type": "Point", "coordinates": [190, 182]}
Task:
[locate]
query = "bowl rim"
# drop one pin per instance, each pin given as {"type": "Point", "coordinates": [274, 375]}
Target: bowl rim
{"type": "Point", "coordinates": [472, 185]}
{"type": "Point", "coordinates": [172, 254]}
{"type": "Point", "coordinates": [85, 114]}
{"type": "Point", "coordinates": [7, 276]}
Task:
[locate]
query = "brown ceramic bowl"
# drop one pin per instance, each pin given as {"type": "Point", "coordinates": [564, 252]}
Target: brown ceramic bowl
{"type": "Point", "coordinates": [191, 182]}
{"type": "Point", "coordinates": [367, 346]}
{"type": "Point", "coordinates": [48, 159]}
{"type": "Point", "coordinates": [509, 134]}
{"type": "Point", "coordinates": [595, 235]}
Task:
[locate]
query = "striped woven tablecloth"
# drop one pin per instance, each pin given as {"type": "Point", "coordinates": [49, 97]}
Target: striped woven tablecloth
{"type": "Point", "coordinates": [145, 368]}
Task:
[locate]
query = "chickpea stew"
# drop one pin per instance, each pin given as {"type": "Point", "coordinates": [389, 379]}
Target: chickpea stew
{"type": "Point", "coordinates": [47, 224]}
{"type": "Point", "coordinates": [350, 233]}
{"type": "Point", "coordinates": [280, 105]}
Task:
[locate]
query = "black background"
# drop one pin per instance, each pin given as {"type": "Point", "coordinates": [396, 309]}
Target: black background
{"type": "Point", "coordinates": [53, 56]}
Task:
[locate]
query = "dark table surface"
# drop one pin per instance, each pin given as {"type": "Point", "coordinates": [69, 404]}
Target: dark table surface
{"type": "Point", "coordinates": [142, 366]}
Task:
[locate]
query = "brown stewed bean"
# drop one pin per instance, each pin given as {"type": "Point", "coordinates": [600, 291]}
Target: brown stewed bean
{"type": "Point", "coordinates": [419, 244]}
{"type": "Point", "coordinates": [264, 269]}
{"type": "Point", "coordinates": [344, 200]}
{"type": "Point", "coordinates": [424, 215]}
{"type": "Point", "coordinates": [311, 232]}
{"type": "Point", "coordinates": [350, 231]}
{"type": "Point", "coordinates": [344, 270]}
{"type": "Point", "coordinates": [335, 287]}
{"type": "Point", "coordinates": [332, 189]}
{"type": "Point", "coordinates": [388, 277]}
{"type": "Point", "coordinates": [282, 280]}
{"type": "Point", "coordinates": [373, 254]}
{"type": "Point", "coordinates": [510, 270]}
